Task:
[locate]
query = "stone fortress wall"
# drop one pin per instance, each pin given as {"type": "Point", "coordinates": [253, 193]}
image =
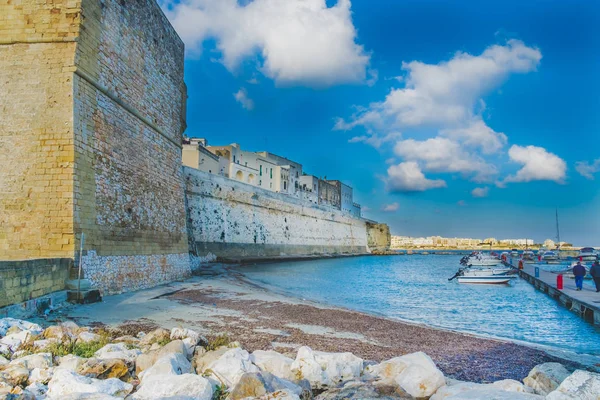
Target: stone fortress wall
{"type": "Point", "coordinates": [92, 103]}
{"type": "Point", "coordinates": [235, 221]}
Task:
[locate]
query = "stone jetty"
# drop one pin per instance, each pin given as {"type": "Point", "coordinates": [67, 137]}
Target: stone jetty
{"type": "Point", "coordinates": [67, 361]}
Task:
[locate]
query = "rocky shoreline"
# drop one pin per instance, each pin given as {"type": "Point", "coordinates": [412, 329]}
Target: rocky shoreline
{"type": "Point", "coordinates": [72, 362]}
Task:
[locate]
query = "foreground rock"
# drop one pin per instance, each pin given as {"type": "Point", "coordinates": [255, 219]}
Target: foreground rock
{"type": "Point", "coordinates": [66, 382]}
{"type": "Point", "coordinates": [545, 378]}
{"type": "Point", "coordinates": [261, 384]}
{"type": "Point", "coordinates": [186, 386]}
{"type": "Point", "coordinates": [326, 369]}
{"type": "Point", "coordinates": [581, 385]}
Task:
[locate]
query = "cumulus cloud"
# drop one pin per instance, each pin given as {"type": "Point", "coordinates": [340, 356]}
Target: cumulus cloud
{"type": "Point", "coordinates": [302, 42]}
{"type": "Point", "coordinates": [538, 165]}
{"type": "Point", "coordinates": [408, 177]}
{"type": "Point", "coordinates": [480, 192]}
{"type": "Point", "coordinates": [390, 207]}
{"type": "Point", "coordinates": [444, 155]}
{"type": "Point", "coordinates": [448, 94]}
{"type": "Point", "coordinates": [376, 140]}
{"type": "Point", "coordinates": [447, 99]}
{"type": "Point", "coordinates": [241, 96]}
{"type": "Point", "coordinates": [587, 170]}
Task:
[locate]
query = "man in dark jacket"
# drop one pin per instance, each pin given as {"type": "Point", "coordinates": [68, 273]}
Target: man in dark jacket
{"type": "Point", "coordinates": [579, 272]}
{"type": "Point", "coordinates": [595, 273]}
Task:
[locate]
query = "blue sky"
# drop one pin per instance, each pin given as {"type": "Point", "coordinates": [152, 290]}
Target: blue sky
{"type": "Point", "coordinates": [447, 118]}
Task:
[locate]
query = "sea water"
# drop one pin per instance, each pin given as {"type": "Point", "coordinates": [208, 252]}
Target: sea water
{"type": "Point", "coordinates": [416, 288]}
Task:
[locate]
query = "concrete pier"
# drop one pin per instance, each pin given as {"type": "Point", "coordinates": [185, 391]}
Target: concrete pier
{"type": "Point", "coordinates": [585, 303]}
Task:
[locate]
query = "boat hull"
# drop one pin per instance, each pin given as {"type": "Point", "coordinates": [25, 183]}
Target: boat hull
{"type": "Point", "coordinates": [485, 280]}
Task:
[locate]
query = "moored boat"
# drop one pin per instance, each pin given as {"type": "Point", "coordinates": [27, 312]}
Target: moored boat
{"type": "Point", "coordinates": [514, 253]}
{"type": "Point", "coordinates": [587, 254]}
{"type": "Point", "coordinates": [550, 257]}
{"type": "Point", "coordinates": [528, 256]}
{"type": "Point", "coordinates": [493, 279]}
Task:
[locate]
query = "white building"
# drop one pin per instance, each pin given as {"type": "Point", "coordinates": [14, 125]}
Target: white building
{"type": "Point", "coordinates": [309, 188]}
{"type": "Point", "coordinates": [195, 155]}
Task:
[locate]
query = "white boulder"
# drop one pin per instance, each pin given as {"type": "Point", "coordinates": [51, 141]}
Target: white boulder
{"type": "Point", "coordinates": [66, 382]}
{"type": "Point", "coordinates": [88, 337]}
{"type": "Point", "coordinates": [510, 385]}
{"type": "Point", "coordinates": [500, 390]}
{"type": "Point", "coordinates": [180, 387]}
{"type": "Point", "coordinates": [274, 363]}
{"type": "Point", "coordinates": [170, 364]}
{"type": "Point", "coordinates": [13, 341]}
{"type": "Point", "coordinates": [70, 362]}
{"type": "Point", "coordinates": [325, 369]}
{"type": "Point", "coordinates": [39, 360]}
{"type": "Point", "coordinates": [230, 367]}
{"type": "Point", "coordinates": [416, 373]}
{"type": "Point", "coordinates": [117, 350]}
{"type": "Point", "coordinates": [38, 390]}
{"type": "Point", "coordinates": [183, 333]}
{"type": "Point", "coordinates": [545, 378]}
{"type": "Point", "coordinates": [7, 323]}
{"type": "Point", "coordinates": [581, 385]}
{"type": "Point", "coordinates": [3, 361]}
{"type": "Point", "coordinates": [39, 375]}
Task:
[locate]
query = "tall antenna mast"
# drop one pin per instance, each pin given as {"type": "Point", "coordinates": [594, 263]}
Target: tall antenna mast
{"type": "Point", "coordinates": [557, 230]}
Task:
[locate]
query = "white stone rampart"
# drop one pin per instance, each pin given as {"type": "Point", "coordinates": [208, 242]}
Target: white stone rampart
{"type": "Point", "coordinates": [236, 221]}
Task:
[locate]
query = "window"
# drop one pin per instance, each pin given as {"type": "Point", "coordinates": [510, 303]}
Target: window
{"type": "Point", "coordinates": [234, 158]}
{"type": "Point", "coordinates": [271, 185]}
{"type": "Point", "coordinates": [246, 163]}
{"type": "Point", "coordinates": [260, 183]}
{"type": "Point", "coordinates": [284, 185]}
{"type": "Point", "coordinates": [261, 170]}
{"type": "Point", "coordinates": [271, 173]}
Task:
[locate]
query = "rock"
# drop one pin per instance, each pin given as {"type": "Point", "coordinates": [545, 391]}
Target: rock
{"type": "Point", "coordinates": [146, 360]}
{"type": "Point", "coordinates": [16, 375]}
{"type": "Point", "coordinates": [258, 384]}
{"type": "Point", "coordinates": [183, 333]}
{"type": "Point", "coordinates": [66, 382]}
{"type": "Point", "coordinates": [88, 337]}
{"type": "Point", "coordinates": [157, 335]}
{"type": "Point", "coordinates": [510, 385]}
{"type": "Point", "coordinates": [181, 387]}
{"type": "Point", "coordinates": [14, 329]}
{"type": "Point", "coordinates": [39, 360]}
{"type": "Point", "coordinates": [3, 361]}
{"type": "Point", "coordinates": [127, 339]}
{"type": "Point", "coordinates": [202, 360]}
{"type": "Point", "coordinates": [274, 363]}
{"type": "Point", "coordinates": [170, 364]}
{"type": "Point", "coordinates": [18, 393]}
{"type": "Point", "coordinates": [117, 350]}
{"type": "Point", "coordinates": [103, 368]}
{"type": "Point", "coordinates": [190, 345]}
{"type": "Point", "coordinates": [38, 375]}
{"type": "Point", "coordinates": [38, 390]}
{"type": "Point", "coordinates": [60, 333]}
{"type": "Point", "coordinates": [89, 396]}
{"type": "Point", "coordinates": [14, 341]}
{"type": "Point", "coordinates": [581, 385]}
{"type": "Point", "coordinates": [42, 344]}
{"type": "Point", "coordinates": [70, 362]}
{"type": "Point", "coordinates": [326, 369]}
{"type": "Point", "coordinates": [476, 391]}
{"type": "Point", "coordinates": [545, 378]}
{"type": "Point", "coordinates": [230, 367]}
{"type": "Point", "coordinates": [416, 373]}
{"type": "Point", "coordinates": [7, 323]}
{"type": "Point", "coordinates": [354, 390]}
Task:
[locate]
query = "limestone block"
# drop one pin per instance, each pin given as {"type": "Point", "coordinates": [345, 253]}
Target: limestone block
{"type": "Point", "coordinates": [66, 382]}
{"type": "Point", "coordinates": [580, 385]}
{"type": "Point", "coordinates": [273, 362]}
{"type": "Point", "coordinates": [545, 378]}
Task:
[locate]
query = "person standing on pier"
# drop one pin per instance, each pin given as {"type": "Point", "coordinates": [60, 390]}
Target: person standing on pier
{"type": "Point", "coordinates": [595, 273]}
{"type": "Point", "coordinates": [579, 272]}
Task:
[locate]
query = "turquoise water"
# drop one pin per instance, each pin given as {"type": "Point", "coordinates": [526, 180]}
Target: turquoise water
{"type": "Point", "coordinates": [416, 288]}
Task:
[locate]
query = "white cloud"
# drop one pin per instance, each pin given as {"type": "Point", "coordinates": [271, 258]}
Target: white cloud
{"type": "Point", "coordinates": [408, 177]}
{"type": "Point", "coordinates": [461, 203]}
{"type": "Point", "coordinates": [376, 140]}
{"type": "Point", "coordinates": [444, 155]}
{"type": "Point", "coordinates": [480, 192]}
{"type": "Point", "coordinates": [538, 165]}
{"type": "Point", "coordinates": [302, 42]}
{"type": "Point", "coordinates": [241, 96]}
{"type": "Point", "coordinates": [390, 207]}
{"type": "Point", "coordinates": [446, 95]}
{"type": "Point", "coordinates": [478, 135]}
{"type": "Point", "coordinates": [588, 170]}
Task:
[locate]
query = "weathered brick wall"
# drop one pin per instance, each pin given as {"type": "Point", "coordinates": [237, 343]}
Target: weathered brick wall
{"type": "Point", "coordinates": [37, 51]}
{"type": "Point", "coordinates": [25, 280]}
{"type": "Point", "coordinates": [129, 117]}
{"type": "Point", "coordinates": [235, 221]}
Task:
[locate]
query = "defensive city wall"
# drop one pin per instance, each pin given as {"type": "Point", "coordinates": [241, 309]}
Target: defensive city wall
{"type": "Point", "coordinates": [92, 110]}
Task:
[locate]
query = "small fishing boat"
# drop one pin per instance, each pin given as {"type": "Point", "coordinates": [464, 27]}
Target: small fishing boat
{"type": "Point", "coordinates": [587, 254]}
{"type": "Point", "coordinates": [493, 279]}
{"type": "Point", "coordinates": [481, 259]}
{"type": "Point", "coordinates": [514, 253]}
{"type": "Point", "coordinates": [528, 256]}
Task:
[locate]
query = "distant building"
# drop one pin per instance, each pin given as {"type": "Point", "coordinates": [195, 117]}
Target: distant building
{"type": "Point", "coordinates": [549, 244]}
{"type": "Point", "coordinates": [309, 188]}
{"type": "Point", "coordinates": [329, 194]}
{"type": "Point", "coordinates": [195, 155]}
{"type": "Point", "coordinates": [346, 195]}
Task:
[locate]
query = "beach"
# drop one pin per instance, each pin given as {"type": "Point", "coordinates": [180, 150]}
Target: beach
{"type": "Point", "coordinates": [221, 301]}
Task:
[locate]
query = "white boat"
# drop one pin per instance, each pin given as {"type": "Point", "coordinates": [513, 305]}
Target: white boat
{"type": "Point", "coordinates": [550, 256]}
{"type": "Point", "coordinates": [587, 254]}
{"type": "Point", "coordinates": [484, 260]}
{"type": "Point", "coordinates": [485, 271]}
{"type": "Point", "coordinates": [528, 255]}
{"type": "Point", "coordinates": [514, 253]}
{"type": "Point", "coordinates": [493, 279]}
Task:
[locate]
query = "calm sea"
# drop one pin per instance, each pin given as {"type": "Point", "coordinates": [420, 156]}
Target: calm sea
{"type": "Point", "coordinates": [416, 288]}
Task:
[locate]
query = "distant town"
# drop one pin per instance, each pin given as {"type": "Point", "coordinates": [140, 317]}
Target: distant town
{"type": "Point", "coordinates": [270, 172]}
{"type": "Point", "coordinates": [438, 242]}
